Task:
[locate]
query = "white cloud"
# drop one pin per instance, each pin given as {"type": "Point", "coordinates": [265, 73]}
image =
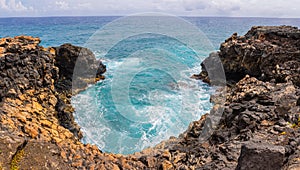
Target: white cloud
{"type": "Point", "coordinates": [84, 5]}
{"type": "Point", "coordinates": [190, 5]}
{"type": "Point", "coordinates": [226, 5]}
{"type": "Point", "coordinates": [3, 4]}
{"type": "Point", "coordinates": [13, 5]}
{"type": "Point", "coordinates": [62, 5]}
{"type": "Point", "coordinates": [253, 8]}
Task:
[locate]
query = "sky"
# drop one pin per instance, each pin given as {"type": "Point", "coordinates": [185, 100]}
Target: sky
{"type": "Point", "coordinates": [226, 8]}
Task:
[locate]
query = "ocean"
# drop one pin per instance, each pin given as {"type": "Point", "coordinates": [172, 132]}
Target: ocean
{"type": "Point", "coordinates": [148, 95]}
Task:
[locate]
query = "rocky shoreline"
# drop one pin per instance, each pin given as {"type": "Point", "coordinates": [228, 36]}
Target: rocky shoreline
{"type": "Point", "coordinates": [259, 129]}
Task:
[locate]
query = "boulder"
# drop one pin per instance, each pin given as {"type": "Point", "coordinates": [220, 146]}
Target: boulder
{"type": "Point", "coordinates": [261, 156]}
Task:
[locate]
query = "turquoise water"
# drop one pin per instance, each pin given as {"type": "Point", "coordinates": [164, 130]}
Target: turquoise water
{"type": "Point", "coordinates": [147, 95]}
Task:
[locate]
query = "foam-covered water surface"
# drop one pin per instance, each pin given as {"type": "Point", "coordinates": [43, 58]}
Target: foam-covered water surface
{"type": "Point", "coordinates": [157, 101]}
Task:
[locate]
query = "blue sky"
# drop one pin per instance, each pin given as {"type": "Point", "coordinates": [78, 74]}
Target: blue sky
{"type": "Point", "coordinates": [244, 8]}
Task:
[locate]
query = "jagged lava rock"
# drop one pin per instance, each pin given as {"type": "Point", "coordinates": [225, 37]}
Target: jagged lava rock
{"type": "Point", "coordinates": [265, 52]}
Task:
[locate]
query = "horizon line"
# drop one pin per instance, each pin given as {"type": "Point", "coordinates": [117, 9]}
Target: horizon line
{"type": "Point", "coordinates": [190, 16]}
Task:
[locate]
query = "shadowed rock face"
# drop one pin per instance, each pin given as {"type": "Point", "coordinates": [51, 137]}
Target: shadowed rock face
{"type": "Point", "coordinates": [87, 68]}
{"type": "Point", "coordinates": [259, 128]}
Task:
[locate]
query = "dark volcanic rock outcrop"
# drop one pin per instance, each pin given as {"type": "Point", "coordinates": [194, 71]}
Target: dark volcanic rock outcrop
{"type": "Point", "coordinates": [81, 60]}
{"type": "Point", "coordinates": [44, 75]}
{"type": "Point", "coordinates": [261, 109]}
{"type": "Point", "coordinates": [259, 127]}
{"type": "Point", "coordinates": [33, 104]}
{"type": "Point", "coordinates": [24, 66]}
{"type": "Point", "coordinates": [267, 53]}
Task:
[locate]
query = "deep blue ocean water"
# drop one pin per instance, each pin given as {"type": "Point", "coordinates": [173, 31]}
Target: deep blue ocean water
{"type": "Point", "coordinates": [148, 96]}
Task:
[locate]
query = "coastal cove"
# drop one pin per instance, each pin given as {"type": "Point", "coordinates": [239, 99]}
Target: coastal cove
{"type": "Point", "coordinates": [92, 104]}
{"type": "Point", "coordinates": [40, 109]}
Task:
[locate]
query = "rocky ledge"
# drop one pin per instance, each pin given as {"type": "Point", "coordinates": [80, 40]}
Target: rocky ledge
{"type": "Point", "coordinates": [259, 128]}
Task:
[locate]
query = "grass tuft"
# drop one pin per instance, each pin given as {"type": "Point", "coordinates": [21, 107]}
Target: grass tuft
{"type": "Point", "coordinates": [14, 164]}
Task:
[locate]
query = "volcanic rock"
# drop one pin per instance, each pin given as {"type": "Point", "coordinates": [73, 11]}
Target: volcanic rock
{"type": "Point", "coordinates": [265, 52]}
